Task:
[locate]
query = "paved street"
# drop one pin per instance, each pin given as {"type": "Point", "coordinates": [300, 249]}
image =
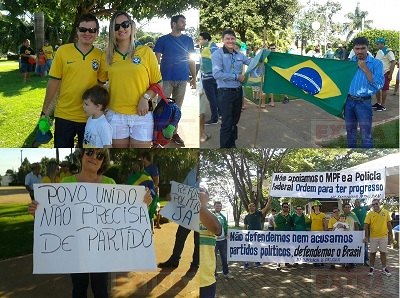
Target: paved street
{"type": "Point", "coordinates": [17, 280]}
{"type": "Point", "coordinates": [294, 125]}
{"type": "Point", "coordinates": [308, 281]}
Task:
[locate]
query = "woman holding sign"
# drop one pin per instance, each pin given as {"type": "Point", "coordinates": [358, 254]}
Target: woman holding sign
{"type": "Point", "coordinates": [94, 162]}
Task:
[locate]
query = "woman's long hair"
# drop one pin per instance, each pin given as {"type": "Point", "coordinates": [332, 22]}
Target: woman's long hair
{"type": "Point", "coordinates": [112, 40]}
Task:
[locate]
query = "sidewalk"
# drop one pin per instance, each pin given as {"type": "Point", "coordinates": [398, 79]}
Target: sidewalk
{"type": "Point", "coordinates": [17, 280]}
{"type": "Point", "coordinates": [188, 127]}
{"type": "Point", "coordinates": [293, 125]}
{"type": "Point", "coordinates": [308, 281]}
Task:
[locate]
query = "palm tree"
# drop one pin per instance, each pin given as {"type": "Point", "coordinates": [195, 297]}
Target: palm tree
{"type": "Point", "coordinates": [358, 22]}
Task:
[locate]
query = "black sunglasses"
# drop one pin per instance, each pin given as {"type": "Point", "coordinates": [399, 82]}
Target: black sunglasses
{"type": "Point", "coordinates": [124, 24]}
{"type": "Point", "coordinates": [375, 204]}
{"type": "Point", "coordinates": [84, 29]}
{"type": "Point", "coordinates": [99, 155]}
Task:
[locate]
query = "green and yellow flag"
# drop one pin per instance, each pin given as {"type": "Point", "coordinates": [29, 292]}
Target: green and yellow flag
{"type": "Point", "coordinates": [323, 82]}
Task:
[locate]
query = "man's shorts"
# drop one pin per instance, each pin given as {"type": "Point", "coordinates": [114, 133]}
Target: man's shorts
{"type": "Point", "coordinates": [26, 67]}
{"type": "Point", "coordinates": [136, 127]}
{"type": "Point", "coordinates": [387, 81]}
{"type": "Point", "coordinates": [378, 244]}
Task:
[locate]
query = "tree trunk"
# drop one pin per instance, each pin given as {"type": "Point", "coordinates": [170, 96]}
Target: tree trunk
{"type": "Point", "coordinates": [38, 20]}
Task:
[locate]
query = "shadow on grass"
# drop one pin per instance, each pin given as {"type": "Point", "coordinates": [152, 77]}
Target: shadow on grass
{"type": "Point", "coordinates": [29, 141]}
{"type": "Point", "coordinates": [11, 83]}
{"type": "Point", "coordinates": [13, 210]}
{"type": "Point", "coordinates": [19, 234]}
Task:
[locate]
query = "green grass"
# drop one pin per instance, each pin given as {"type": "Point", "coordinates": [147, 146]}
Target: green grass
{"type": "Point", "coordinates": [385, 136]}
{"type": "Point", "coordinates": [20, 106]}
{"type": "Point", "coordinates": [16, 231]}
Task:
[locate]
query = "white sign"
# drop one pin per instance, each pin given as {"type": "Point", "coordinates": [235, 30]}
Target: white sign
{"type": "Point", "coordinates": [296, 247]}
{"type": "Point", "coordinates": [90, 227]}
{"type": "Point", "coordinates": [184, 206]}
{"type": "Point", "coordinates": [334, 185]}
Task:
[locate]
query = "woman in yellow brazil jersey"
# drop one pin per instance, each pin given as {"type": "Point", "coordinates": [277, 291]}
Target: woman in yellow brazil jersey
{"type": "Point", "coordinates": [130, 70]}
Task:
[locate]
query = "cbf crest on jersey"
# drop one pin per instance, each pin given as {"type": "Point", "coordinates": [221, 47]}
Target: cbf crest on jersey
{"type": "Point", "coordinates": [95, 64]}
{"type": "Point", "coordinates": [136, 60]}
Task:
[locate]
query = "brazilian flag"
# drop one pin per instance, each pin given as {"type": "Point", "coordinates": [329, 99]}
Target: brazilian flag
{"type": "Point", "coordinates": [323, 82]}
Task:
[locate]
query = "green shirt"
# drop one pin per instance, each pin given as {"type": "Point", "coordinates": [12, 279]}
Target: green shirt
{"type": "Point", "coordinates": [72, 179]}
{"type": "Point", "coordinates": [283, 223]}
{"type": "Point", "coordinates": [361, 213]}
{"type": "Point", "coordinates": [300, 223]}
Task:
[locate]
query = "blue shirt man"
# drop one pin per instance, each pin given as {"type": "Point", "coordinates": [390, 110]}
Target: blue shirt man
{"type": "Point", "coordinates": [227, 66]}
{"type": "Point", "coordinates": [173, 54]}
{"type": "Point", "coordinates": [367, 81]}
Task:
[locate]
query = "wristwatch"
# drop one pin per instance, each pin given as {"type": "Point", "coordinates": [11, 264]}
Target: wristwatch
{"type": "Point", "coordinates": [146, 96]}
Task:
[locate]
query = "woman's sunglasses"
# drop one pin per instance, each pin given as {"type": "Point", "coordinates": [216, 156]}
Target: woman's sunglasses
{"type": "Point", "coordinates": [99, 155]}
{"type": "Point", "coordinates": [124, 24]}
{"type": "Point", "coordinates": [84, 29]}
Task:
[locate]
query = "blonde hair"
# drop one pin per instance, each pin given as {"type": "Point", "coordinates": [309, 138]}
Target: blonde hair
{"type": "Point", "coordinates": [112, 40]}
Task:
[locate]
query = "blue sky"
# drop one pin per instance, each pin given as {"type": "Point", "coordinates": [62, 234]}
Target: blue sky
{"type": "Point", "coordinates": [11, 158]}
{"type": "Point", "coordinates": [384, 14]}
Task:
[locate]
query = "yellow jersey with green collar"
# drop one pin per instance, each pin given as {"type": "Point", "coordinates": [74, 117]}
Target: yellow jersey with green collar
{"type": "Point", "coordinates": [377, 222]}
{"type": "Point", "coordinates": [207, 257]}
{"type": "Point", "coordinates": [77, 72]}
{"type": "Point", "coordinates": [129, 78]}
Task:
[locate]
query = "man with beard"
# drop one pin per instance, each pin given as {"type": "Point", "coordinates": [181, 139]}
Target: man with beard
{"type": "Point", "coordinates": [367, 81]}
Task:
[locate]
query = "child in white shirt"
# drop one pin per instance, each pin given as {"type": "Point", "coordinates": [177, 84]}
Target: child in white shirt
{"type": "Point", "coordinates": [341, 225]}
{"type": "Point", "coordinates": [98, 132]}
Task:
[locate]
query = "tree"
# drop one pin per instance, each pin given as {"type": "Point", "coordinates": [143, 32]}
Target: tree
{"type": "Point", "coordinates": [61, 16]}
{"type": "Point", "coordinates": [358, 22]}
{"type": "Point", "coordinates": [323, 14]}
{"type": "Point", "coordinates": [242, 16]}
{"type": "Point", "coordinates": [245, 170]}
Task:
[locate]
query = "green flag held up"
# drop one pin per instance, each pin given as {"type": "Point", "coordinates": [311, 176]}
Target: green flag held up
{"type": "Point", "coordinates": [323, 82]}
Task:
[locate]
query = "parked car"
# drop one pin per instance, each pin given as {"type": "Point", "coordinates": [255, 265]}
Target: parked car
{"type": "Point", "coordinates": [12, 56]}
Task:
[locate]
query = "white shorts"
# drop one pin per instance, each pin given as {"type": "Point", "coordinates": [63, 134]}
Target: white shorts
{"type": "Point", "coordinates": [378, 244]}
{"type": "Point", "coordinates": [136, 127]}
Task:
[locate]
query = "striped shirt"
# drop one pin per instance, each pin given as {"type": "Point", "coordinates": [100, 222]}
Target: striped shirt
{"type": "Point", "coordinates": [360, 86]}
{"type": "Point", "coordinates": [226, 67]}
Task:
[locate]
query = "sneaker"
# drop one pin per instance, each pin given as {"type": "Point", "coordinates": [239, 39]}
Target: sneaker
{"type": "Point", "coordinates": [380, 108]}
{"type": "Point", "coordinates": [333, 267]}
{"type": "Point", "coordinates": [386, 272]}
{"type": "Point", "coordinates": [246, 266]}
{"type": "Point", "coordinates": [211, 122]}
{"type": "Point", "coordinates": [285, 99]}
{"type": "Point", "coordinates": [371, 271]}
{"type": "Point", "coordinates": [177, 139]}
{"type": "Point", "coordinates": [258, 264]}
{"type": "Point", "coordinates": [228, 276]}
{"type": "Point", "coordinates": [376, 105]}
